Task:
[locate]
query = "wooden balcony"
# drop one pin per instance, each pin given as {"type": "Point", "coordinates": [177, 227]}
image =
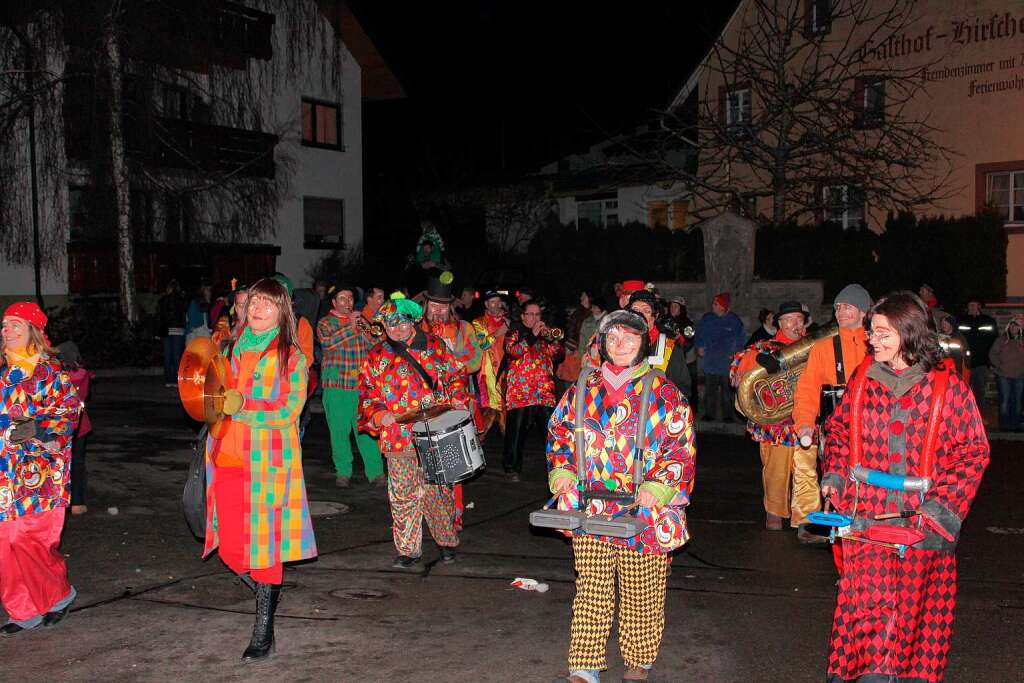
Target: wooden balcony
{"type": "Point", "coordinates": [93, 270]}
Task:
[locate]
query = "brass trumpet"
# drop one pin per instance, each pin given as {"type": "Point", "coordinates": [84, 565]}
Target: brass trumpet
{"type": "Point", "coordinates": [553, 334]}
{"type": "Point", "coordinates": [370, 327]}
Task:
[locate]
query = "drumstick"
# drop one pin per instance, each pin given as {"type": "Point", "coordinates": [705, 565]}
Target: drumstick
{"type": "Point", "coordinates": [623, 511]}
{"type": "Point", "coordinates": [897, 515]}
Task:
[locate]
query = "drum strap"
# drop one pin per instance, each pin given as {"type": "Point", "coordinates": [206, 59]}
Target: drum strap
{"type": "Point", "coordinates": [641, 435]}
{"type": "Point", "coordinates": [837, 351]}
{"type": "Point", "coordinates": [402, 351]}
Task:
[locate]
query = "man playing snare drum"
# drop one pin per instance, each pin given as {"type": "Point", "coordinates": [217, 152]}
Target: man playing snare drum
{"type": "Point", "coordinates": [411, 370]}
{"type": "Point", "coordinates": [609, 414]}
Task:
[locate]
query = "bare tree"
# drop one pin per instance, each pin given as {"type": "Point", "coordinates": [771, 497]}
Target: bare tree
{"type": "Point", "coordinates": [799, 108]}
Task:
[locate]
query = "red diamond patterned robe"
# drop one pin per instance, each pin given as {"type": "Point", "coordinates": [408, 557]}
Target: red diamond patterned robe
{"type": "Point", "coordinates": [894, 618]}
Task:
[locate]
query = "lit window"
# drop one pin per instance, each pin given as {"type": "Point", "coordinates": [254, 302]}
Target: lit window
{"type": "Point", "coordinates": [680, 208]}
{"type": "Point", "coordinates": [658, 212]}
{"type": "Point", "coordinates": [321, 124]}
{"type": "Point", "coordinates": [1005, 194]}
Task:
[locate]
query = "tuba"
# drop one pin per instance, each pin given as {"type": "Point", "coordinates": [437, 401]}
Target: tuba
{"type": "Point", "coordinates": [768, 398]}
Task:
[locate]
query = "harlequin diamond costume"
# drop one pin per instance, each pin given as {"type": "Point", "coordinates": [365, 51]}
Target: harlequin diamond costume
{"type": "Point", "coordinates": [39, 411]}
{"type": "Point", "coordinates": [392, 382]}
{"type": "Point", "coordinates": [894, 617]}
{"type": "Point", "coordinates": [788, 472]}
{"type": "Point", "coordinates": [490, 383]}
{"type": "Point", "coordinates": [606, 403]}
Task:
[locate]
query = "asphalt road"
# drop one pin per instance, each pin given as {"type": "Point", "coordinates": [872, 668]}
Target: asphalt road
{"type": "Point", "coordinates": [744, 604]}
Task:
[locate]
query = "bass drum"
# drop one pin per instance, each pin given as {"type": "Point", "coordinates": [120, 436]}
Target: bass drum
{"type": "Point", "coordinates": [448, 447]}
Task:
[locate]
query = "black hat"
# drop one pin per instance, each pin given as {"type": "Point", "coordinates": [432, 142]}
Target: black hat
{"type": "Point", "coordinates": [492, 294]}
{"type": "Point", "coordinates": [790, 307]}
{"type": "Point", "coordinates": [646, 297]}
{"type": "Point", "coordinates": [439, 288]}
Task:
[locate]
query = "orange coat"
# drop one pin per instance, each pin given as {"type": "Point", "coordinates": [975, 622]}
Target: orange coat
{"type": "Point", "coordinates": [821, 370]}
{"type": "Point", "coordinates": [304, 332]}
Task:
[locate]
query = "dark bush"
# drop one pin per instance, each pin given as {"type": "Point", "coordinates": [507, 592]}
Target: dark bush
{"type": "Point", "coordinates": [99, 331]}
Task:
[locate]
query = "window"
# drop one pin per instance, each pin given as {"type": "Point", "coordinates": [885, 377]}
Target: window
{"type": "Point", "coordinates": [817, 17]}
{"type": "Point", "coordinates": [843, 204]}
{"type": "Point", "coordinates": [323, 223]}
{"type": "Point", "coordinates": [658, 214]}
{"type": "Point", "coordinates": [869, 102]}
{"type": "Point", "coordinates": [173, 101]}
{"type": "Point", "coordinates": [680, 208]}
{"type": "Point", "coordinates": [321, 124]}
{"type": "Point", "coordinates": [597, 212]}
{"type": "Point", "coordinates": [734, 106]}
{"type": "Point", "coordinates": [1005, 194]}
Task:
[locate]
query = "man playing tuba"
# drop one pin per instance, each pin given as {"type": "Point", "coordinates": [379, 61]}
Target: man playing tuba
{"type": "Point", "coordinates": [789, 473]}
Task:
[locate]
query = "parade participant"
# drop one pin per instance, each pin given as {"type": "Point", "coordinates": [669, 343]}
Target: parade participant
{"type": "Point", "coordinates": [38, 414]}
{"type": "Point", "coordinates": [462, 339]}
{"type": "Point", "coordinates": [530, 384]}
{"type": "Point", "coordinates": [980, 332]}
{"type": "Point", "coordinates": [345, 339]}
{"type": "Point", "coordinates": [490, 383]}
{"type": "Point", "coordinates": [256, 507]}
{"type": "Point", "coordinates": [831, 361]}
{"type": "Point", "coordinates": [463, 304]}
{"type": "Point", "coordinates": [611, 404]}
{"type": "Point", "coordinates": [663, 354]}
{"type": "Point", "coordinates": [71, 362]}
{"type": "Point", "coordinates": [375, 298]}
{"type": "Point", "coordinates": [626, 289]}
{"type": "Point", "coordinates": [789, 473]}
{"type": "Point", "coordinates": [720, 335]}
{"type": "Point", "coordinates": [905, 413]}
{"type": "Point", "coordinates": [408, 371]}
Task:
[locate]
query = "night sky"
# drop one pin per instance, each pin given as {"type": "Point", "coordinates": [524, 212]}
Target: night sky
{"type": "Point", "coordinates": [496, 87]}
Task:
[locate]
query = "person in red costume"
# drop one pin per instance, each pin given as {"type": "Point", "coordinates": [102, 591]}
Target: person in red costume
{"type": "Point", "coordinates": [493, 325]}
{"type": "Point", "coordinates": [905, 413]}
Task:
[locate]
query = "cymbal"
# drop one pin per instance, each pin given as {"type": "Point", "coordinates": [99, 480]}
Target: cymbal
{"type": "Point", "coordinates": [424, 414]}
{"type": "Point", "coordinates": [203, 376]}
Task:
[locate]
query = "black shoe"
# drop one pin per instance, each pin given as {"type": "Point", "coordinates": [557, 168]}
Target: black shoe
{"type": "Point", "coordinates": [261, 645]}
{"type": "Point", "coordinates": [11, 629]}
{"type": "Point", "coordinates": [54, 618]}
{"type": "Point", "coordinates": [447, 555]}
{"type": "Point", "coordinates": [404, 562]}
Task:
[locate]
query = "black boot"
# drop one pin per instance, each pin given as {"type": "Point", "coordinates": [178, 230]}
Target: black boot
{"type": "Point", "coordinates": [262, 643]}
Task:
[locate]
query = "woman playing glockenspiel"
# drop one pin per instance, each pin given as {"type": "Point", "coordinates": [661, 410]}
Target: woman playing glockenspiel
{"type": "Point", "coordinates": [906, 414]}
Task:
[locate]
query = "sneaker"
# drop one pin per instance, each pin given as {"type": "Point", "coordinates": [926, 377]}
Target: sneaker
{"type": "Point", "coordinates": [404, 562]}
{"type": "Point", "coordinates": [447, 555]}
{"type": "Point", "coordinates": [341, 482]}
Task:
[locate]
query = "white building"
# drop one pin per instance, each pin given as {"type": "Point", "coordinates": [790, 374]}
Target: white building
{"type": "Point", "coordinates": [298, 130]}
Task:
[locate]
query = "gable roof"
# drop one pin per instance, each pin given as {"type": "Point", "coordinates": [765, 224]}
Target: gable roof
{"type": "Point", "coordinates": [379, 81]}
{"type": "Point", "coordinates": [691, 83]}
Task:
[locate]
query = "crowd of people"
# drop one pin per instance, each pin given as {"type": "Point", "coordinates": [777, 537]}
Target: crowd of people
{"type": "Point", "coordinates": [613, 382]}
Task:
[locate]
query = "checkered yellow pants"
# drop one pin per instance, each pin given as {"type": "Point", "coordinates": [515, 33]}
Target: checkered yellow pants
{"type": "Point", "coordinates": [641, 604]}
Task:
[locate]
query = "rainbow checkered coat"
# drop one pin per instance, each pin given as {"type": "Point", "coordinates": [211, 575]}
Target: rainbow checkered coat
{"type": "Point", "coordinates": [610, 426]}
{"type": "Point", "coordinates": [34, 474]}
{"type": "Point", "coordinates": [279, 526]}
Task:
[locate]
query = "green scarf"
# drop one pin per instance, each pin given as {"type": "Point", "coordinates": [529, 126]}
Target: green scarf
{"type": "Point", "coordinates": [253, 341]}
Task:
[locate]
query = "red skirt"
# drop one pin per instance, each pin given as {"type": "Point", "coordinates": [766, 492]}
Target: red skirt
{"type": "Point", "coordinates": [893, 617]}
{"type": "Point", "coordinates": [230, 491]}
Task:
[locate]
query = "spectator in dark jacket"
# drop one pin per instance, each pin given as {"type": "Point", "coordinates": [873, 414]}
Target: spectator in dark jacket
{"type": "Point", "coordinates": [720, 336]}
{"type": "Point", "coordinates": [767, 329]}
{"type": "Point", "coordinates": [980, 331]}
{"type": "Point", "coordinates": [1007, 358]}
{"type": "Point", "coordinates": [171, 309]}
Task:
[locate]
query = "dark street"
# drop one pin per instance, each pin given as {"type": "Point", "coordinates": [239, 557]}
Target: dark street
{"type": "Point", "coordinates": [744, 604]}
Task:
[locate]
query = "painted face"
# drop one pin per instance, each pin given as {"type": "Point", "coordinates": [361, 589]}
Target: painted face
{"type": "Point", "coordinates": [849, 316]}
{"type": "Point", "coordinates": [401, 332]}
{"type": "Point", "coordinates": [343, 301]}
{"type": "Point", "coordinates": [263, 314]}
{"type": "Point", "coordinates": [15, 332]}
{"type": "Point", "coordinates": [622, 344]}
{"type": "Point", "coordinates": [437, 312]}
{"type": "Point", "coordinates": [792, 325]}
{"type": "Point", "coordinates": [885, 342]}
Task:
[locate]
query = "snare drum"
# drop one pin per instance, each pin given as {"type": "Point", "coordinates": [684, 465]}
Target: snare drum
{"type": "Point", "coordinates": [448, 447]}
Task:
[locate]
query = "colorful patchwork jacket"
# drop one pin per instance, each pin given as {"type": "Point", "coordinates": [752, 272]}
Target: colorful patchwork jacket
{"type": "Point", "coordinates": [344, 350]}
{"type": "Point", "coordinates": [530, 378]}
{"type": "Point", "coordinates": [490, 361]}
{"type": "Point", "coordinates": [34, 474]}
{"type": "Point", "coordinates": [894, 422]}
{"type": "Point", "coordinates": [782, 433]}
{"type": "Point", "coordinates": [279, 527]}
{"type": "Point", "coordinates": [610, 426]}
{"type": "Point", "coordinates": [465, 342]}
{"type": "Point", "coordinates": [389, 384]}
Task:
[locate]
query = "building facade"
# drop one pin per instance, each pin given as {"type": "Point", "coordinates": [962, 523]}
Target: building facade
{"type": "Point", "coordinates": [966, 57]}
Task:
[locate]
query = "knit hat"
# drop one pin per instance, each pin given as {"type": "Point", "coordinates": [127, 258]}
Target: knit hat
{"type": "Point", "coordinates": [29, 312]}
{"type": "Point", "coordinates": [724, 299]}
{"type": "Point", "coordinates": [398, 310]}
{"type": "Point", "coordinates": [284, 280]}
{"type": "Point", "coordinates": [855, 296]}
{"type": "Point", "coordinates": [790, 307]}
{"type": "Point", "coordinates": [630, 286]}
